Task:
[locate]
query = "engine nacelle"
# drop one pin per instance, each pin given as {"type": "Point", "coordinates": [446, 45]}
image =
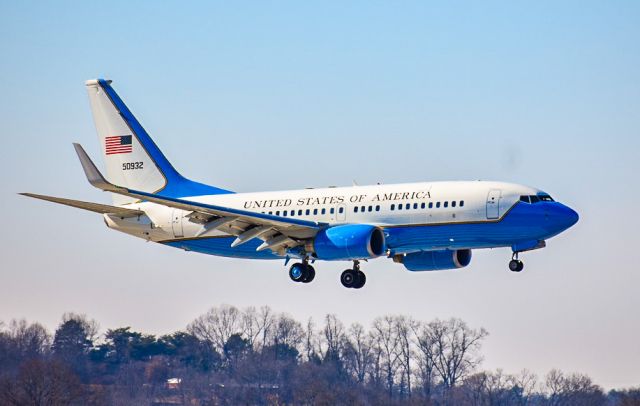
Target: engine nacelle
{"type": "Point", "coordinates": [435, 260]}
{"type": "Point", "coordinates": [348, 242]}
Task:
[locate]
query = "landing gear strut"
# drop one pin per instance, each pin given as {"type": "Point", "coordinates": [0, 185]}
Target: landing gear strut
{"type": "Point", "coordinates": [515, 265]}
{"type": "Point", "coordinates": [302, 272]}
{"type": "Point", "coordinates": [353, 278]}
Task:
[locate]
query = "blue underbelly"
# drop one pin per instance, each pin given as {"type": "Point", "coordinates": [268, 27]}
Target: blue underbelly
{"type": "Point", "coordinates": [518, 225]}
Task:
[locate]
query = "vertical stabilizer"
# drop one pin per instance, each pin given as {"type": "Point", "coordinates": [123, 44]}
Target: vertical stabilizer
{"type": "Point", "coordinates": [132, 159]}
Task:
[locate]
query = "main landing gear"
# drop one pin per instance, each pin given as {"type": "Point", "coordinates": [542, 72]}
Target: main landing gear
{"type": "Point", "coordinates": [353, 278]}
{"type": "Point", "coordinates": [515, 265]}
{"type": "Point", "coordinates": [302, 272]}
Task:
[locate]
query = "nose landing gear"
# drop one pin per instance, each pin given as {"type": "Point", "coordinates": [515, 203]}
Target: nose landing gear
{"type": "Point", "coordinates": [302, 272]}
{"type": "Point", "coordinates": [515, 265]}
{"type": "Point", "coordinates": [353, 278]}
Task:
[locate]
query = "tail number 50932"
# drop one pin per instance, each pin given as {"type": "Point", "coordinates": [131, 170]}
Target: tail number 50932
{"type": "Point", "coordinates": [128, 166]}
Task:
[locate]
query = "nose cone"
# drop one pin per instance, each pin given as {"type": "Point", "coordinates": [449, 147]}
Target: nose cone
{"type": "Point", "coordinates": [562, 217]}
{"type": "Point", "coordinates": [572, 216]}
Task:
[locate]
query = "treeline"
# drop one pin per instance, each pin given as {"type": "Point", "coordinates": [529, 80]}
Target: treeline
{"type": "Point", "coordinates": [257, 356]}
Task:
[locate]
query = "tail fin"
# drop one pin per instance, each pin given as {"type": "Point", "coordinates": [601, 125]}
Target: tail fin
{"type": "Point", "coordinates": [132, 159]}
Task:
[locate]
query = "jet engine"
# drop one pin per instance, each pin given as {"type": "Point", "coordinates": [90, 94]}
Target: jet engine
{"type": "Point", "coordinates": [434, 260]}
{"type": "Point", "coordinates": [348, 242]}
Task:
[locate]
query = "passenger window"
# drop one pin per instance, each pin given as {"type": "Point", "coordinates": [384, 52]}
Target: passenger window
{"type": "Point", "coordinates": [355, 209]}
{"type": "Point", "coordinates": [270, 212]}
{"type": "Point", "coordinates": [377, 207]}
{"type": "Point", "coordinates": [341, 210]}
{"type": "Point", "coordinates": [284, 213]}
{"type": "Point", "coordinates": [400, 206]}
{"type": "Point", "coordinates": [324, 211]}
{"type": "Point", "coordinates": [453, 203]}
{"type": "Point", "coordinates": [415, 205]}
{"type": "Point", "coordinates": [446, 204]}
{"type": "Point", "coordinates": [423, 205]}
{"type": "Point", "coordinates": [362, 209]}
{"type": "Point", "coordinates": [370, 208]}
{"type": "Point", "coordinates": [393, 207]}
{"type": "Point", "coordinates": [293, 212]}
{"type": "Point", "coordinates": [299, 212]}
{"type": "Point", "coordinates": [437, 205]}
{"type": "Point", "coordinates": [278, 213]}
{"type": "Point", "coordinates": [315, 212]}
{"type": "Point", "coordinates": [431, 205]}
{"type": "Point", "coordinates": [332, 210]}
{"type": "Point", "coordinates": [461, 203]}
{"type": "Point", "coordinates": [307, 212]}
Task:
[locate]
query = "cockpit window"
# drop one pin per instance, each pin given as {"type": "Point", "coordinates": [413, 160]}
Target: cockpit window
{"type": "Point", "coordinates": [535, 198]}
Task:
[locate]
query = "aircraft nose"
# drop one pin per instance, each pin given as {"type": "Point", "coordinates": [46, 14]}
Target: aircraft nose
{"type": "Point", "coordinates": [572, 216]}
{"type": "Point", "coordinates": [563, 216]}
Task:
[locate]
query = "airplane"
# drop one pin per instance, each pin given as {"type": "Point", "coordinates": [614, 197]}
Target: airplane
{"type": "Point", "coordinates": [426, 226]}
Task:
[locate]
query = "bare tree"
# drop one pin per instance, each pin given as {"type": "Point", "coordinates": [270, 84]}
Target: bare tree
{"type": "Point", "coordinates": [30, 340]}
{"type": "Point", "coordinates": [311, 345]}
{"type": "Point", "coordinates": [525, 383]}
{"type": "Point", "coordinates": [386, 341]}
{"type": "Point", "coordinates": [265, 320]}
{"type": "Point", "coordinates": [358, 354]}
{"type": "Point", "coordinates": [572, 389]}
{"type": "Point", "coordinates": [333, 333]}
{"type": "Point", "coordinates": [404, 327]}
{"type": "Point", "coordinates": [41, 382]}
{"type": "Point", "coordinates": [287, 331]}
{"type": "Point", "coordinates": [251, 326]}
{"type": "Point", "coordinates": [456, 348]}
{"type": "Point", "coordinates": [425, 356]}
{"type": "Point", "coordinates": [217, 325]}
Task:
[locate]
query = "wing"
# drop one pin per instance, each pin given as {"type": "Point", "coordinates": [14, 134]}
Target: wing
{"type": "Point", "coordinates": [94, 207]}
{"type": "Point", "coordinates": [278, 233]}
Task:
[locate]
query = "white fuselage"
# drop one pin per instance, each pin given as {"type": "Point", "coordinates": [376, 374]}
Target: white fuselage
{"type": "Point", "coordinates": [425, 203]}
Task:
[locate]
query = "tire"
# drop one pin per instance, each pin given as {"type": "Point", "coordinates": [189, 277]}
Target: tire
{"type": "Point", "coordinates": [515, 265]}
{"type": "Point", "coordinates": [297, 272]}
{"type": "Point", "coordinates": [361, 279]}
{"type": "Point", "coordinates": [310, 274]}
{"type": "Point", "coordinates": [348, 278]}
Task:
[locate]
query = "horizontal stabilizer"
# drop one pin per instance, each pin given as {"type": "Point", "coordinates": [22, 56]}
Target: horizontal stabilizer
{"type": "Point", "coordinates": [94, 207]}
{"type": "Point", "coordinates": [96, 179]}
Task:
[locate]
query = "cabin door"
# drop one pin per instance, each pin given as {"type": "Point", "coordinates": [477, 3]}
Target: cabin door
{"type": "Point", "coordinates": [493, 204]}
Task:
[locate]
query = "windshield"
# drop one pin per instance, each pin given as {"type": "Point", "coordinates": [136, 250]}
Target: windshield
{"type": "Point", "coordinates": [536, 198]}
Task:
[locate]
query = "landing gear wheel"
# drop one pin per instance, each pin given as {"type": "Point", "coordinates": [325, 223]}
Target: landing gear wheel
{"type": "Point", "coordinates": [310, 274]}
{"type": "Point", "coordinates": [348, 278]}
{"type": "Point", "coordinates": [515, 265]}
{"type": "Point", "coordinates": [298, 272]}
{"type": "Point", "coordinates": [361, 279]}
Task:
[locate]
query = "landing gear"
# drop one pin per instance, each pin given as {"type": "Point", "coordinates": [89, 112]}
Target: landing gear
{"type": "Point", "coordinates": [302, 272]}
{"type": "Point", "coordinates": [515, 265]}
{"type": "Point", "coordinates": [353, 278]}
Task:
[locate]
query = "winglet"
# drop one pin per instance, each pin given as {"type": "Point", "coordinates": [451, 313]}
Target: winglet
{"type": "Point", "coordinates": [93, 174]}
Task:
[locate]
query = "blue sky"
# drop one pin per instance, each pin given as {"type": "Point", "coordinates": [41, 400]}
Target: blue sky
{"type": "Point", "coordinates": [277, 95]}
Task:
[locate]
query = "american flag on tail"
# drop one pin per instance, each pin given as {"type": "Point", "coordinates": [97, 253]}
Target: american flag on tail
{"type": "Point", "coordinates": [118, 144]}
